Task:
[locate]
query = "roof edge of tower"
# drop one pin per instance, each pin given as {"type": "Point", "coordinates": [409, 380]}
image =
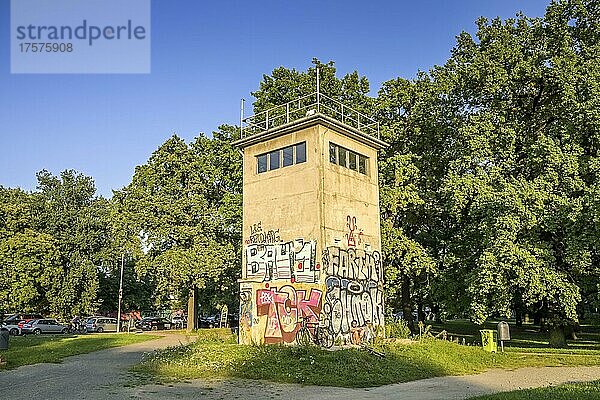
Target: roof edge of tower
{"type": "Point", "coordinates": [307, 122]}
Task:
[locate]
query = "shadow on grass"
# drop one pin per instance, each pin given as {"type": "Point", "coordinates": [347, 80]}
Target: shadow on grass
{"type": "Point", "coordinates": [352, 368]}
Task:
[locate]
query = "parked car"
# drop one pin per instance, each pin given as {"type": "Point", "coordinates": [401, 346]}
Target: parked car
{"type": "Point", "coordinates": [233, 320]}
{"type": "Point", "coordinates": [101, 324]}
{"type": "Point", "coordinates": [178, 321]}
{"type": "Point", "coordinates": [153, 324]}
{"type": "Point", "coordinates": [20, 318]}
{"type": "Point", "coordinates": [38, 326]}
{"type": "Point", "coordinates": [12, 328]}
{"type": "Point", "coordinates": [210, 321]}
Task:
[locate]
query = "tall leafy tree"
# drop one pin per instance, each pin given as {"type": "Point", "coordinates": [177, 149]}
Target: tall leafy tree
{"type": "Point", "coordinates": [67, 208]}
{"type": "Point", "coordinates": [51, 242]}
{"type": "Point", "coordinates": [183, 209]}
{"type": "Point", "coordinates": [506, 158]}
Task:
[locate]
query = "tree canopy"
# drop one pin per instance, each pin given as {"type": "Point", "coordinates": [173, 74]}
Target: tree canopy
{"type": "Point", "coordinates": [183, 211]}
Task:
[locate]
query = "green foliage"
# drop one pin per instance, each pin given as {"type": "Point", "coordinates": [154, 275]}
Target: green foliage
{"type": "Point", "coordinates": [182, 217]}
{"type": "Point", "coordinates": [397, 329]}
{"type": "Point", "coordinates": [50, 243]}
{"type": "Point", "coordinates": [504, 139]}
{"type": "Point", "coordinates": [285, 85]}
{"type": "Point", "coordinates": [31, 273]}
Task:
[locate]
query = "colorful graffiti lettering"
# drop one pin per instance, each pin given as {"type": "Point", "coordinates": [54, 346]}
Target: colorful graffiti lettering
{"type": "Point", "coordinates": [245, 315]}
{"type": "Point", "coordinates": [354, 288]}
{"type": "Point", "coordinates": [293, 260]}
{"type": "Point", "coordinates": [354, 235]}
{"type": "Point", "coordinates": [283, 308]}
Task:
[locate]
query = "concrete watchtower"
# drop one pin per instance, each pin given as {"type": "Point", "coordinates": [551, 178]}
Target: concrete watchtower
{"type": "Point", "coordinates": [310, 221]}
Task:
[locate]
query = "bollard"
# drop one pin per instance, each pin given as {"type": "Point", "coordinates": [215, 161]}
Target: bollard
{"type": "Point", "coordinates": [503, 333]}
{"type": "Point", "coordinates": [4, 337]}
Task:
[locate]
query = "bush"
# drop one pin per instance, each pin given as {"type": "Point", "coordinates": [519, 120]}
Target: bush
{"type": "Point", "coordinates": [397, 329]}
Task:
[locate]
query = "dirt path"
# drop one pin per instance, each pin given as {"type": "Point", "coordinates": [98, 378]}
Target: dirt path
{"type": "Point", "coordinates": [85, 376]}
{"type": "Point", "coordinates": [443, 388]}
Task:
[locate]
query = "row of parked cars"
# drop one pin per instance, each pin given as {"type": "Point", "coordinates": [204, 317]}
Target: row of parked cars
{"type": "Point", "coordinates": [22, 324]}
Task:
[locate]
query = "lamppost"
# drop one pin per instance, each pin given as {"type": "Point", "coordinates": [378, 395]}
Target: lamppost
{"type": "Point", "coordinates": [120, 293]}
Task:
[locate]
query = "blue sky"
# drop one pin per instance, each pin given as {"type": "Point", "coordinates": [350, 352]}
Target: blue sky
{"type": "Point", "coordinates": [205, 57]}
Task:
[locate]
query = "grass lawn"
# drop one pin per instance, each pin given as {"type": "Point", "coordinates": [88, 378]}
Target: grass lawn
{"type": "Point", "coordinates": [30, 349]}
{"type": "Point", "coordinates": [216, 355]}
{"type": "Point", "coordinates": [525, 338]}
{"type": "Point", "coordinates": [571, 391]}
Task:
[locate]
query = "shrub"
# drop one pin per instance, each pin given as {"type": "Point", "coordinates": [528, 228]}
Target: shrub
{"type": "Point", "coordinates": [397, 329]}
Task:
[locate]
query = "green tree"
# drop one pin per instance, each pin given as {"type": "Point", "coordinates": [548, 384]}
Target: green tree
{"type": "Point", "coordinates": [31, 273]}
{"type": "Point", "coordinates": [504, 137]}
{"type": "Point", "coordinates": [183, 209]}
{"type": "Point", "coordinates": [285, 85]}
{"type": "Point", "coordinates": [67, 208]}
{"type": "Point", "coordinates": [51, 241]}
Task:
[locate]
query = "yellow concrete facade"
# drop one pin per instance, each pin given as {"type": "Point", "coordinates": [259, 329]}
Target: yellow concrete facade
{"type": "Point", "coordinates": [311, 236]}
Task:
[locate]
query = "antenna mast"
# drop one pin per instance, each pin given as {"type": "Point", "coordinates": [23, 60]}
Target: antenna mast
{"type": "Point", "coordinates": [318, 91]}
{"type": "Point", "coordinates": [241, 117]}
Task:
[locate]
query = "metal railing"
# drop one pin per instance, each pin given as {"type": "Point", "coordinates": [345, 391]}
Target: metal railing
{"type": "Point", "coordinates": [314, 103]}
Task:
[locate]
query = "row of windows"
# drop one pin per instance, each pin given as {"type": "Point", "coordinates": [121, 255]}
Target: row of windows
{"type": "Point", "coordinates": [348, 158]}
{"type": "Point", "coordinates": [290, 155]}
{"type": "Point", "coordinates": [296, 154]}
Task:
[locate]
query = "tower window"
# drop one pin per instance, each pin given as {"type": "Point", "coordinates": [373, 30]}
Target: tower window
{"type": "Point", "coordinates": [333, 153]}
{"type": "Point", "coordinates": [352, 160]}
{"type": "Point", "coordinates": [300, 152]}
{"type": "Point", "coordinates": [343, 156]}
{"type": "Point", "coordinates": [284, 157]}
{"type": "Point", "coordinates": [274, 160]}
{"type": "Point", "coordinates": [288, 156]}
{"type": "Point", "coordinates": [362, 164]}
{"type": "Point", "coordinates": [348, 158]}
{"type": "Point", "coordinates": [262, 163]}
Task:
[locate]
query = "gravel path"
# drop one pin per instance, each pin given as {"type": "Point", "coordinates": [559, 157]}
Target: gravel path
{"type": "Point", "coordinates": [103, 375]}
{"type": "Point", "coordinates": [443, 388]}
{"type": "Point", "coordinates": [85, 376]}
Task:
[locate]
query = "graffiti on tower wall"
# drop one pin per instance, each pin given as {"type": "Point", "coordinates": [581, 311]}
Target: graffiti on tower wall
{"type": "Point", "coordinates": [283, 308]}
{"type": "Point", "coordinates": [284, 282]}
{"type": "Point", "coordinates": [258, 235]}
{"type": "Point", "coordinates": [353, 232]}
{"type": "Point", "coordinates": [354, 288]}
{"type": "Point", "coordinates": [294, 261]}
{"type": "Point", "coordinates": [245, 326]}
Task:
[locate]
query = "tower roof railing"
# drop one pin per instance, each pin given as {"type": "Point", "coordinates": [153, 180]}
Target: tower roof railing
{"type": "Point", "coordinates": [306, 106]}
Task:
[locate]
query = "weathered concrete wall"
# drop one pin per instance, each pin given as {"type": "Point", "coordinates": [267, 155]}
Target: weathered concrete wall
{"type": "Point", "coordinates": [311, 241]}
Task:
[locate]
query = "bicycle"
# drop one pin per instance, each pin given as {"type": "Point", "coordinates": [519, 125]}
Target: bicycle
{"type": "Point", "coordinates": [312, 332]}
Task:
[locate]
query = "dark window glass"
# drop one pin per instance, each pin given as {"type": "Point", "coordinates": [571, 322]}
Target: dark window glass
{"type": "Point", "coordinates": [352, 160]}
{"type": "Point", "coordinates": [301, 152]}
{"type": "Point", "coordinates": [362, 164]}
{"type": "Point", "coordinates": [288, 156]}
{"type": "Point", "coordinates": [262, 163]}
{"type": "Point", "coordinates": [274, 160]}
{"type": "Point", "coordinates": [332, 153]}
{"type": "Point", "coordinates": [343, 155]}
